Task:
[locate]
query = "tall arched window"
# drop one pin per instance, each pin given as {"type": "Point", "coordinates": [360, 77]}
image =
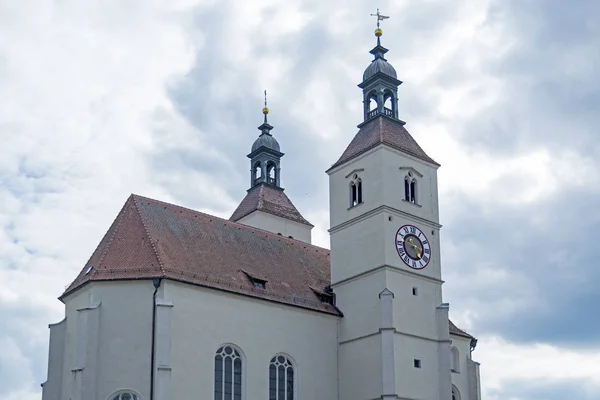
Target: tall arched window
{"type": "Point", "coordinates": [406, 189]}
{"type": "Point", "coordinates": [256, 173]}
{"type": "Point", "coordinates": [281, 378]}
{"type": "Point", "coordinates": [454, 360]}
{"type": "Point", "coordinates": [359, 191]}
{"type": "Point", "coordinates": [356, 195]}
{"type": "Point", "coordinates": [413, 191]}
{"type": "Point", "coordinates": [228, 374]}
{"type": "Point", "coordinates": [271, 173]}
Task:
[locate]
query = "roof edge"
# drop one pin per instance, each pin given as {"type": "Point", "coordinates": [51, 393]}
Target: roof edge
{"type": "Point", "coordinates": [160, 263]}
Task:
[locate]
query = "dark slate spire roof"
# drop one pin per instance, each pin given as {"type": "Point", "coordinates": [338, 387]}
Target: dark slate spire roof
{"type": "Point", "coordinates": [151, 239]}
{"type": "Point", "coordinates": [379, 64]}
{"type": "Point", "coordinates": [265, 140]}
{"type": "Point", "coordinates": [383, 130]}
{"type": "Point", "coordinates": [268, 199]}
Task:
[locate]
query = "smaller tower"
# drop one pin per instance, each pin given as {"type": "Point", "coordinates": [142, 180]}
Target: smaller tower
{"type": "Point", "coordinates": [265, 156]}
{"type": "Point", "coordinates": [380, 82]}
{"type": "Point", "coordinates": [266, 206]}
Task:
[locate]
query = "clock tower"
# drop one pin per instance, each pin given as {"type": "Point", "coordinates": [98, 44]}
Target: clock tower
{"type": "Point", "coordinates": [385, 254]}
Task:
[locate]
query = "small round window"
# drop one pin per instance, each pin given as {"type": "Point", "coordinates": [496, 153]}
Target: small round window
{"type": "Point", "coordinates": [126, 396]}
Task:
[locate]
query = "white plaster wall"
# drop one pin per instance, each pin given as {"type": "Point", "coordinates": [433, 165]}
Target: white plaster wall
{"type": "Point", "coordinates": [383, 184]}
{"type": "Point", "coordinates": [275, 224]}
{"type": "Point", "coordinates": [427, 193]}
{"type": "Point", "coordinates": [357, 248]}
{"type": "Point", "coordinates": [124, 338]}
{"type": "Point", "coordinates": [460, 380]}
{"type": "Point", "coordinates": [53, 386]}
{"type": "Point", "coordinates": [205, 319]}
{"type": "Point", "coordinates": [369, 166]}
{"type": "Point", "coordinates": [415, 315]}
{"type": "Point", "coordinates": [359, 301]}
{"type": "Point", "coordinates": [411, 382]}
{"type": "Point", "coordinates": [366, 243]}
{"type": "Point", "coordinates": [360, 369]}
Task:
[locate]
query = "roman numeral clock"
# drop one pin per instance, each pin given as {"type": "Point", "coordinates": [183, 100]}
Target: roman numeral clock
{"type": "Point", "coordinates": [413, 247]}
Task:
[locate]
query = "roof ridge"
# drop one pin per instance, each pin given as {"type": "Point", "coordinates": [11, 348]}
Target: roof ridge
{"type": "Point", "coordinates": [228, 221]}
{"type": "Point", "coordinates": [118, 220]}
{"type": "Point", "coordinates": [160, 263]}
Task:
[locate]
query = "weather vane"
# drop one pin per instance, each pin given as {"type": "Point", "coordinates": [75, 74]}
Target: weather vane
{"type": "Point", "coordinates": [380, 17]}
{"type": "Point", "coordinates": [265, 110]}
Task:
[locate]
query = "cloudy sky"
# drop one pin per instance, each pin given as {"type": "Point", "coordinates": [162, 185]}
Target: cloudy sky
{"type": "Point", "coordinates": [99, 99]}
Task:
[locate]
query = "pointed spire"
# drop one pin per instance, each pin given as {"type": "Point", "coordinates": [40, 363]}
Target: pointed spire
{"type": "Point", "coordinates": [378, 51]}
{"type": "Point", "coordinates": [265, 128]}
{"type": "Point", "coordinates": [379, 31]}
{"type": "Point", "coordinates": [265, 110]}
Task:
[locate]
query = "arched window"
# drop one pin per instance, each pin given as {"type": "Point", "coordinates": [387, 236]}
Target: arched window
{"type": "Point", "coordinates": [256, 173]}
{"type": "Point", "coordinates": [356, 195]}
{"type": "Point", "coordinates": [373, 103]}
{"type": "Point", "coordinates": [228, 374]}
{"type": "Point", "coordinates": [406, 189]}
{"type": "Point", "coordinates": [454, 360]}
{"type": "Point", "coordinates": [125, 395]}
{"type": "Point", "coordinates": [281, 378]}
{"type": "Point", "coordinates": [271, 173]}
{"type": "Point", "coordinates": [413, 191]}
{"type": "Point", "coordinates": [455, 393]}
{"type": "Point", "coordinates": [388, 104]}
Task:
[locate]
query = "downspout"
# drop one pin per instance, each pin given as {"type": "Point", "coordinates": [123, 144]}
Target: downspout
{"type": "Point", "coordinates": [156, 282]}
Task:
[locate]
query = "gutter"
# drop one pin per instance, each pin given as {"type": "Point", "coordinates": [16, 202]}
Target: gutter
{"type": "Point", "coordinates": [156, 282]}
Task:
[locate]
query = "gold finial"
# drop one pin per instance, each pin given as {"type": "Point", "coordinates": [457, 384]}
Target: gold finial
{"type": "Point", "coordinates": [265, 110]}
{"type": "Point", "coordinates": [380, 17]}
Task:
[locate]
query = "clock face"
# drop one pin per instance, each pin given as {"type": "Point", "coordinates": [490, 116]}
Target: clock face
{"type": "Point", "coordinates": [413, 247]}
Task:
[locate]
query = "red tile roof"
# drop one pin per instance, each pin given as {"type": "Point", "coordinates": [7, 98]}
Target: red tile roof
{"type": "Point", "coordinates": [456, 331]}
{"type": "Point", "coordinates": [268, 199]}
{"type": "Point", "coordinates": [383, 130]}
{"type": "Point", "coordinates": [152, 239]}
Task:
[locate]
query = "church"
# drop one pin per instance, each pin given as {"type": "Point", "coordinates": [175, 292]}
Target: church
{"type": "Point", "coordinates": [178, 304]}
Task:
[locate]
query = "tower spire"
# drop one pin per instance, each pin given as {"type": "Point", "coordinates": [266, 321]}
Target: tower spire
{"type": "Point", "coordinates": [379, 31]}
{"type": "Point", "coordinates": [265, 110]}
{"type": "Point", "coordinates": [380, 82]}
{"type": "Point", "coordinates": [265, 128]}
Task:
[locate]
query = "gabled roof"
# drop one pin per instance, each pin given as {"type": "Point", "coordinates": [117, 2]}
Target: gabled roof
{"type": "Point", "coordinates": [152, 239]}
{"type": "Point", "coordinates": [454, 330]}
{"type": "Point", "coordinates": [269, 199]}
{"type": "Point", "coordinates": [383, 130]}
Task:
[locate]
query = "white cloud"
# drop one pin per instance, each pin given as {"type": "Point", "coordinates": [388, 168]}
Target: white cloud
{"type": "Point", "coordinates": [505, 363]}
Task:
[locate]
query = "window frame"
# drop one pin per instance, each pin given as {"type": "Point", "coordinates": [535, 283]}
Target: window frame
{"type": "Point", "coordinates": [294, 366]}
{"type": "Point", "coordinates": [242, 356]}
{"type": "Point", "coordinates": [356, 190]}
{"type": "Point", "coordinates": [454, 360]}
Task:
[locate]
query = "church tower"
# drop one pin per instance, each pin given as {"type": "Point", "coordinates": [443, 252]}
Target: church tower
{"type": "Point", "coordinates": [266, 206]}
{"type": "Point", "coordinates": [385, 254]}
